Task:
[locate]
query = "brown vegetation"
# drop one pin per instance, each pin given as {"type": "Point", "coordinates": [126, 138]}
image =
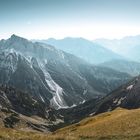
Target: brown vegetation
{"type": "Point", "coordinates": [120, 124]}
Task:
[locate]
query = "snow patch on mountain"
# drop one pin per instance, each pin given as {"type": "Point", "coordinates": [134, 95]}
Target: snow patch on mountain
{"type": "Point", "coordinates": [10, 53]}
{"type": "Point", "coordinates": [130, 87]}
{"type": "Point", "coordinates": [9, 60]}
{"type": "Point", "coordinates": [119, 101]}
{"type": "Point", "coordinates": [85, 91]}
{"type": "Point", "coordinates": [57, 91]}
{"type": "Point", "coordinates": [42, 99]}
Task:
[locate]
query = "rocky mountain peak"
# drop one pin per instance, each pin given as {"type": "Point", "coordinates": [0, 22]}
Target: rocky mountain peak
{"type": "Point", "coordinates": [15, 37]}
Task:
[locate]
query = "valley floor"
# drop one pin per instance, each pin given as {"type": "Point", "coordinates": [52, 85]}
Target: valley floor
{"type": "Point", "coordinates": [120, 124]}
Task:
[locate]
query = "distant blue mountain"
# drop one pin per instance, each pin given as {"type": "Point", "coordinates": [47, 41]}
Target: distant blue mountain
{"type": "Point", "coordinates": [130, 67]}
{"type": "Point", "coordinates": [85, 49]}
{"type": "Point", "coordinates": [128, 46]}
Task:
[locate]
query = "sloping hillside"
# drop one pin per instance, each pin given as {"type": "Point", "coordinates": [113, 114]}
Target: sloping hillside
{"type": "Point", "coordinates": [126, 96]}
{"type": "Point", "coordinates": [120, 124]}
{"type": "Point", "coordinates": [19, 110]}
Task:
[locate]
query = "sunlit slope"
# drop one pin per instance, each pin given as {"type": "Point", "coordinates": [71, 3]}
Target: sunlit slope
{"type": "Point", "coordinates": [120, 124]}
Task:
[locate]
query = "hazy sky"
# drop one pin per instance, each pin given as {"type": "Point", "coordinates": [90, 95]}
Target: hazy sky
{"type": "Point", "coordinates": [41, 19]}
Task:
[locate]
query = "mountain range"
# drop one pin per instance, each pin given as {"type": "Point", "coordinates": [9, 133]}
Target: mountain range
{"type": "Point", "coordinates": [102, 52]}
{"type": "Point", "coordinates": [85, 49]}
{"type": "Point", "coordinates": [127, 66]}
{"type": "Point", "coordinates": [54, 77]}
{"type": "Point", "coordinates": [43, 88]}
{"type": "Point", "coordinates": [128, 47]}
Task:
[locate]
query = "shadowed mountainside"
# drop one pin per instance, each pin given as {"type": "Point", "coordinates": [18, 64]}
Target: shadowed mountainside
{"type": "Point", "coordinates": [52, 76]}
